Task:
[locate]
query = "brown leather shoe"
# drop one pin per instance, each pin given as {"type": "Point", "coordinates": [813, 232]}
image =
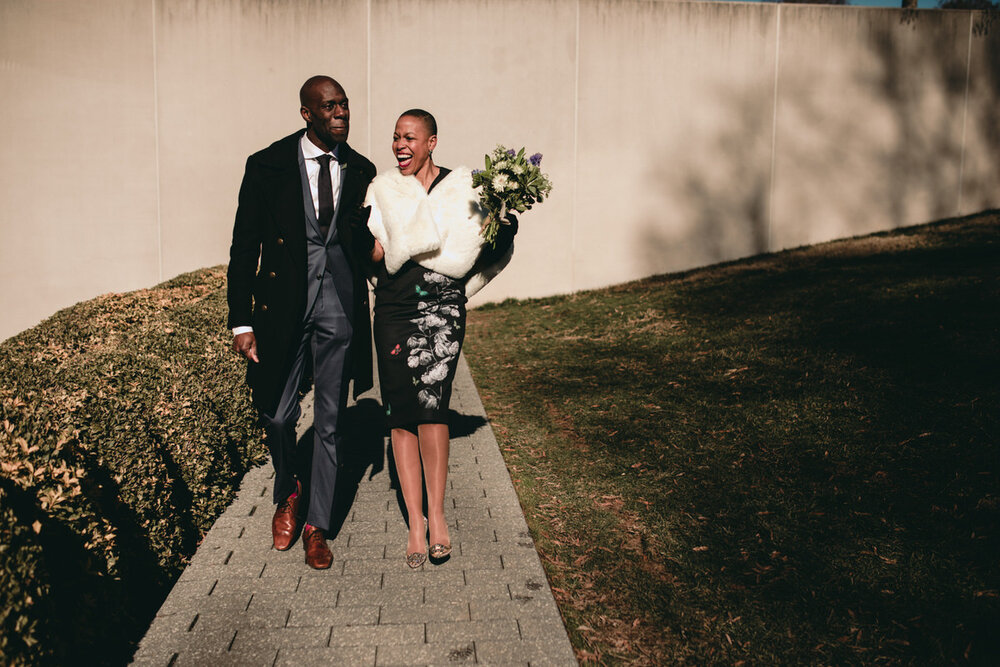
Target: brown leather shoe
{"type": "Point", "coordinates": [318, 555]}
{"type": "Point", "coordinates": [285, 524]}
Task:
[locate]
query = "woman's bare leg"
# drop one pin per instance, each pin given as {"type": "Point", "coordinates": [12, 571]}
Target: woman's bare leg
{"type": "Point", "coordinates": [434, 453]}
{"type": "Point", "coordinates": [406, 452]}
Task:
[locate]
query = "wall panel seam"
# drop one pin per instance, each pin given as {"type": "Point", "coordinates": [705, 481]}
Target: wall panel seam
{"type": "Point", "coordinates": [965, 117]}
{"type": "Point", "coordinates": [576, 152]}
{"type": "Point", "coordinates": [156, 147]}
{"type": "Point", "coordinates": [774, 127]}
{"type": "Point", "coordinates": [368, 74]}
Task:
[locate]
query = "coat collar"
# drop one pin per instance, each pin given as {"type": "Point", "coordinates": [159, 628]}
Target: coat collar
{"type": "Point", "coordinates": [284, 153]}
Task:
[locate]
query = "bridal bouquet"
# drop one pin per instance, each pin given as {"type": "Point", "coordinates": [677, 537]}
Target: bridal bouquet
{"type": "Point", "coordinates": [510, 182]}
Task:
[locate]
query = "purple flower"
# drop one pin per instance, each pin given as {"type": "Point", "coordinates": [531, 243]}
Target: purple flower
{"type": "Point", "coordinates": [511, 152]}
{"type": "Point", "coordinates": [535, 159]}
{"type": "Point", "coordinates": [476, 171]}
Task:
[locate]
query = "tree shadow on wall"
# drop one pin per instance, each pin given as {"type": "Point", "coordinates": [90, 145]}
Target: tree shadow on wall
{"type": "Point", "coordinates": [930, 150]}
{"type": "Point", "coordinates": [857, 150]}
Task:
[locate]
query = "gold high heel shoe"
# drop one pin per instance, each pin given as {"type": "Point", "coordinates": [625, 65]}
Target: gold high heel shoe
{"type": "Point", "coordinates": [417, 558]}
{"type": "Point", "coordinates": [440, 551]}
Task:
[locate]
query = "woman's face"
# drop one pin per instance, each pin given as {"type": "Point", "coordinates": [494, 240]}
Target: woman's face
{"type": "Point", "coordinates": [412, 144]}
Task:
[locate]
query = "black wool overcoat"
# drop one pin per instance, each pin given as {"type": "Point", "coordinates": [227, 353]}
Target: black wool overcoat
{"type": "Point", "coordinates": [268, 268]}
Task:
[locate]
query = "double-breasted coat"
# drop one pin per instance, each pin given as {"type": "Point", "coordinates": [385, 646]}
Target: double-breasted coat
{"type": "Point", "coordinates": [268, 268]}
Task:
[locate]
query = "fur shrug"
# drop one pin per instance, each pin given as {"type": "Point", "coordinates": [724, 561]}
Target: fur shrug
{"type": "Point", "coordinates": [440, 231]}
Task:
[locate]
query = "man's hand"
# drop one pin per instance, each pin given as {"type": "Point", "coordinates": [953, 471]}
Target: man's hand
{"type": "Point", "coordinates": [377, 252]}
{"type": "Point", "coordinates": [246, 344]}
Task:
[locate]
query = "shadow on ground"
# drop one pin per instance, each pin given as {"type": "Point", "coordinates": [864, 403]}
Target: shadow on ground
{"type": "Point", "coordinates": [367, 452]}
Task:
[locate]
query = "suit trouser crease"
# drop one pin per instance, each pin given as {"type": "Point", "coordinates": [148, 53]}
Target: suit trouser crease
{"type": "Point", "coordinates": [326, 338]}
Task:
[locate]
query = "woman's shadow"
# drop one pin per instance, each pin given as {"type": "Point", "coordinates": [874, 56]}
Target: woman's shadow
{"type": "Point", "coordinates": [366, 451]}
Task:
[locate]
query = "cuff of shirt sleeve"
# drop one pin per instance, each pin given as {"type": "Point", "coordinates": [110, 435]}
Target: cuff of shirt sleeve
{"type": "Point", "coordinates": [242, 330]}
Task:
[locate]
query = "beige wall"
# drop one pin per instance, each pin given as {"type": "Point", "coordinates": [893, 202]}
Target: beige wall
{"type": "Point", "coordinates": [78, 188]}
{"type": "Point", "coordinates": [677, 134]}
{"type": "Point", "coordinates": [228, 76]}
{"type": "Point", "coordinates": [869, 139]}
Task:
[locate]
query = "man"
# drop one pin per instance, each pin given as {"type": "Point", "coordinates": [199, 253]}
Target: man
{"type": "Point", "coordinates": [298, 301]}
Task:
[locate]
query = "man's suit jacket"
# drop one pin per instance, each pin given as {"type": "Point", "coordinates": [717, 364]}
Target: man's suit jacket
{"type": "Point", "coordinates": [270, 229]}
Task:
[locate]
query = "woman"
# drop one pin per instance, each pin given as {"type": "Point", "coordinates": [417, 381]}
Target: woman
{"type": "Point", "coordinates": [429, 258]}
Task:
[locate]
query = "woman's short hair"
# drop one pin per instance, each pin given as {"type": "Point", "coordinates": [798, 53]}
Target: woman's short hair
{"type": "Point", "coordinates": [424, 116]}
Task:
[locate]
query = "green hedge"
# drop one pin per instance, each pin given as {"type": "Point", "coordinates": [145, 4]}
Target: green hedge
{"type": "Point", "coordinates": [125, 428]}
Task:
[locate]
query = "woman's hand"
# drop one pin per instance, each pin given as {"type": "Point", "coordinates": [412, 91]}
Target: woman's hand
{"type": "Point", "coordinates": [511, 219]}
{"type": "Point", "coordinates": [377, 252]}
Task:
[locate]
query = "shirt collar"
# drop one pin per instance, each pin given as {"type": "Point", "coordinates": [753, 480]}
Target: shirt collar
{"type": "Point", "coordinates": [311, 151]}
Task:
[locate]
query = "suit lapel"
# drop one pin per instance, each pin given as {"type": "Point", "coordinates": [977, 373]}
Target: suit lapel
{"type": "Point", "coordinates": [351, 179]}
{"type": "Point", "coordinates": [288, 206]}
{"type": "Point", "coordinates": [306, 195]}
{"type": "Point", "coordinates": [290, 199]}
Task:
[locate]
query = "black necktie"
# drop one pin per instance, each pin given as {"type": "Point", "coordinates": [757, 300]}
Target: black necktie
{"type": "Point", "coordinates": [325, 188]}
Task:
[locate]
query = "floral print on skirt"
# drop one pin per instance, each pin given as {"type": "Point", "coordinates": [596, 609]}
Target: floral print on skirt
{"type": "Point", "coordinates": [419, 328]}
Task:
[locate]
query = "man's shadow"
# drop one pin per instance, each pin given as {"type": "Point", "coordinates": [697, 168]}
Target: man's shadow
{"type": "Point", "coordinates": [362, 451]}
{"type": "Point", "coordinates": [366, 451]}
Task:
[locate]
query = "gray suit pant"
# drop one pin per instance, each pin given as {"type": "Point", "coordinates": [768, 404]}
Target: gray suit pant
{"type": "Point", "coordinates": [326, 338]}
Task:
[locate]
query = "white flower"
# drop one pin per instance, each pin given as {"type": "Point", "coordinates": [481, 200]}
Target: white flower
{"type": "Point", "coordinates": [445, 349]}
{"type": "Point", "coordinates": [413, 361]}
{"type": "Point", "coordinates": [517, 169]}
{"type": "Point", "coordinates": [426, 358]}
{"type": "Point", "coordinates": [427, 399]}
{"type": "Point", "coordinates": [434, 321]}
{"type": "Point", "coordinates": [434, 278]}
{"type": "Point", "coordinates": [500, 182]}
{"type": "Point", "coordinates": [437, 372]}
{"type": "Point", "coordinates": [414, 341]}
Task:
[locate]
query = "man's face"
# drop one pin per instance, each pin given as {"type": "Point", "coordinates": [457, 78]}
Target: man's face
{"type": "Point", "coordinates": [327, 115]}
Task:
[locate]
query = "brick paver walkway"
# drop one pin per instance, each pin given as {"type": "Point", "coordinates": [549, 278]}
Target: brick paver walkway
{"type": "Point", "coordinates": [241, 602]}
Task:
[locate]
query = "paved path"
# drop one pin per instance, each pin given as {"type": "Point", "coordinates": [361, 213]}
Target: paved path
{"type": "Point", "coordinates": [241, 602]}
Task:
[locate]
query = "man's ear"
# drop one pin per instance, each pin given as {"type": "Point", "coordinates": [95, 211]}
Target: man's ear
{"type": "Point", "coordinates": [306, 116]}
{"type": "Point", "coordinates": [432, 142]}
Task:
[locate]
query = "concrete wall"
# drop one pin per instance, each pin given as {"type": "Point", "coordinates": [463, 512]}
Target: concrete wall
{"type": "Point", "coordinates": [677, 134]}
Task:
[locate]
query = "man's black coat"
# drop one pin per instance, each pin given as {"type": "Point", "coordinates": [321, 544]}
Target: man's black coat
{"type": "Point", "coordinates": [270, 230]}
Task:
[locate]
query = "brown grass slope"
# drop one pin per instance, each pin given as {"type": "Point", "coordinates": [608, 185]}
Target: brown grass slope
{"type": "Point", "coordinates": [787, 459]}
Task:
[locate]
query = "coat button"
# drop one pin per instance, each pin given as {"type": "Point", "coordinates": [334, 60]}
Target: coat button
{"type": "Point", "coordinates": [281, 241]}
{"type": "Point", "coordinates": [272, 274]}
{"type": "Point", "coordinates": [264, 308]}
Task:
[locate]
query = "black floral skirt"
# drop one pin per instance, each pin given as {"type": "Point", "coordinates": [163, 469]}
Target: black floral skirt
{"type": "Point", "coordinates": [419, 328]}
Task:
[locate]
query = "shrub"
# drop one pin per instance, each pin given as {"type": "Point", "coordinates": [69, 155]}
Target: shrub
{"type": "Point", "coordinates": [125, 428]}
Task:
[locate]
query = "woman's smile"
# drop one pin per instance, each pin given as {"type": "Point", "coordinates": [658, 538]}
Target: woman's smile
{"type": "Point", "coordinates": [412, 144]}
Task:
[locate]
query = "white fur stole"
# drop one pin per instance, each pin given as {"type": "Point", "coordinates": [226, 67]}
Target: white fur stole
{"type": "Point", "coordinates": [440, 231]}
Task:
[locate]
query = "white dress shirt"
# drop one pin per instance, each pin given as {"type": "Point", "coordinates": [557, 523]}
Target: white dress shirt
{"type": "Point", "coordinates": [310, 152]}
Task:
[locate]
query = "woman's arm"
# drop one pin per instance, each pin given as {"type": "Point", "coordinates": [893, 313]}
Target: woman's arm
{"type": "Point", "coordinates": [363, 242]}
{"type": "Point", "coordinates": [491, 254]}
